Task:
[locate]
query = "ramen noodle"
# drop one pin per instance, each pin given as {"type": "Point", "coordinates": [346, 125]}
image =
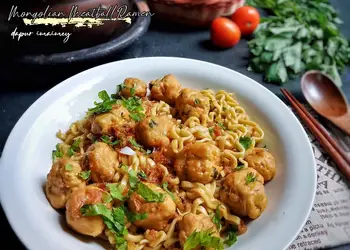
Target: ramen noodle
{"type": "Point", "coordinates": [177, 169]}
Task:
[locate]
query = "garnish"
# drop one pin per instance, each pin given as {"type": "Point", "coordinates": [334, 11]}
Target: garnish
{"type": "Point", "coordinates": [132, 91]}
{"type": "Point", "coordinates": [68, 167]}
{"type": "Point", "coordinates": [250, 178]}
{"type": "Point", "coordinates": [124, 167]}
{"type": "Point", "coordinates": [203, 239]}
{"type": "Point", "coordinates": [72, 149]}
{"type": "Point", "coordinates": [134, 106]}
{"type": "Point", "coordinates": [108, 140]}
{"type": "Point", "coordinates": [232, 237]}
{"type": "Point", "coordinates": [142, 175]}
{"type": "Point", "coordinates": [106, 198]}
{"type": "Point", "coordinates": [239, 167]}
{"type": "Point", "coordinates": [116, 191]}
{"type": "Point", "coordinates": [221, 125]}
{"type": "Point", "coordinates": [165, 187]}
{"type": "Point", "coordinates": [133, 180]}
{"type": "Point", "coordinates": [245, 141]}
{"type": "Point", "coordinates": [104, 106]}
{"type": "Point", "coordinates": [85, 174]}
{"type": "Point", "coordinates": [197, 101]}
{"type": "Point", "coordinates": [211, 130]}
{"type": "Point", "coordinates": [135, 144]}
{"type": "Point", "coordinates": [148, 194]}
{"type": "Point", "coordinates": [217, 218]}
{"type": "Point", "coordinates": [56, 153]}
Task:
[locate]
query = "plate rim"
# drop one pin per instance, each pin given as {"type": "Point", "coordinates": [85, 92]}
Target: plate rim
{"type": "Point", "coordinates": [11, 216]}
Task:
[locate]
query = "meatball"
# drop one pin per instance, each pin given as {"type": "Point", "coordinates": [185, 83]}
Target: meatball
{"type": "Point", "coordinates": [166, 89]}
{"type": "Point", "coordinates": [102, 160]}
{"type": "Point", "coordinates": [198, 162]}
{"type": "Point", "coordinates": [158, 214]}
{"type": "Point", "coordinates": [243, 191]}
{"type": "Point", "coordinates": [192, 103]}
{"type": "Point", "coordinates": [87, 225]}
{"type": "Point", "coordinates": [263, 162]}
{"type": "Point", "coordinates": [153, 131]}
{"type": "Point", "coordinates": [195, 222]}
{"type": "Point", "coordinates": [133, 87]}
{"type": "Point", "coordinates": [61, 180]}
{"type": "Point", "coordinates": [118, 117]}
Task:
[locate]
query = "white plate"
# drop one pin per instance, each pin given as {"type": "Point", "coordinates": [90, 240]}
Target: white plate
{"type": "Point", "coordinates": [27, 155]}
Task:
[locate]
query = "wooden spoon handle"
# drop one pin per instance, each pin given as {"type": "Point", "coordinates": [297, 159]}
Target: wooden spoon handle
{"type": "Point", "coordinates": [343, 122]}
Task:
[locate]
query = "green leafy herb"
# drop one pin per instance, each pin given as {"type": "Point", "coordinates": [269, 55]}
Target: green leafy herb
{"type": "Point", "coordinates": [132, 91]}
{"type": "Point", "coordinates": [56, 153]}
{"type": "Point", "coordinates": [211, 130]}
{"type": "Point", "coordinates": [124, 167]}
{"type": "Point", "coordinates": [116, 191]}
{"type": "Point", "coordinates": [250, 178]}
{"type": "Point", "coordinates": [133, 180]}
{"type": "Point", "coordinates": [68, 167]}
{"type": "Point", "coordinates": [298, 36]}
{"type": "Point", "coordinates": [148, 194]}
{"type": "Point", "coordinates": [245, 141]}
{"type": "Point", "coordinates": [108, 140]}
{"type": "Point", "coordinates": [85, 174]}
{"type": "Point", "coordinates": [135, 144]}
{"type": "Point", "coordinates": [137, 116]}
{"type": "Point", "coordinates": [132, 217]}
{"type": "Point", "coordinates": [142, 175]}
{"type": "Point", "coordinates": [73, 148]}
{"type": "Point", "coordinates": [217, 218]}
{"type": "Point", "coordinates": [106, 198]}
{"type": "Point", "coordinates": [120, 87]}
{"type": "Point", "coordinates": [165, 187]}
{"type": "Point", "coordinates": [239, 167]}
{"type": "Point", "coordinates": [203, 239]}
{"type": "Point", "coordinates": [152, 123]}
{"type": "Point", "coordinates": [232, 237]}
{"type": "Point", "coordinates": [104, 106]}
{"type": "Point", "coordinates": [221, 125]}
{"type": "Point", "coordinates": [197, 101]}
{"type": "Point", "coordinates": [134, 106]}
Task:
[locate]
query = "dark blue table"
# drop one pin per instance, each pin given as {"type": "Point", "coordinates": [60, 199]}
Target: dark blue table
{"type": "Point", "coordinates": [19, 90]}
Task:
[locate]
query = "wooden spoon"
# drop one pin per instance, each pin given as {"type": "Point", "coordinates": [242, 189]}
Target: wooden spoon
{"type": "Point", "coordinates": [326, 98]}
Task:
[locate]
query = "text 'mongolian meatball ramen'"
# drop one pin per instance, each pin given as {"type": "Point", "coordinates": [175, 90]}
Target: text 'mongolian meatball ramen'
{"type": "Point", "coordinates": [178, 169]}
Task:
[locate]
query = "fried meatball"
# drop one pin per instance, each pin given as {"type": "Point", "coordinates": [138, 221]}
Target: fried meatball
{"type": "Point", "coordinates": [153, 131]}
{"type": "Point", "coordinates": [195, 222]}
{"type": "Point", "coordinates": [102, 160]}
{"type": "Point", "coordinates": [87, 225]}
{"type": "Point", "coordinates": [243, 191]}
{"type": "Point", "coordinates": [158, 213]}
{"type": "Point", "coordinates": [61, 180]}
{"type": "Point", "coordinates": [118, 117]}
{"type": "Point", "coordinates": [192, 103]}
{"type": "Point", "coordinates": [262, 161]}
{"type": "Point", "coordinates": [198, 163]}
{"type": "Point", "coordinates": [166, 89]}
{"type": "Point", "coordinates": [133, 87]}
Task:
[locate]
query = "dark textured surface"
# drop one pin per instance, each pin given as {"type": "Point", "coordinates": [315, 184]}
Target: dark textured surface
{"type": "Point", "coordinates": [21, 85]}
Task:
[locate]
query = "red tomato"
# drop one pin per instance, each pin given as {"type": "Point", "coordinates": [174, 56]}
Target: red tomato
{"type": "Point", "coordinates": [247, 18]}
{"type": "Point", "coordinates": [224, 33]}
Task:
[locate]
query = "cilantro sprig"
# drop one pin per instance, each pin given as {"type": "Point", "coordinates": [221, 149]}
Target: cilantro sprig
{"type": "Point", "coordinates": [165, 187]}
{"type": "Point", "coordinates": [56, 153]}
{"type": "Point", "coordinates": [148, 194]}
{"type": "Point", "coordinates": [73, 148]}
{"type": "Point", "coordinates": [85, 174]}
{"type": "Point", "coordinates": [251, 177]}
{"type": "Point", "coordinates": [104, 106]}
{"type": "Point", "coordinates": [217, 218]}
{"type": "Point", "coordinates": [204, 239]}
{"type": "Point", "coordinates": [109, 141]}
{"type": "Point", "coordinates": [245, 141]}
{"type": "Point", "coordinates": [134, 106]}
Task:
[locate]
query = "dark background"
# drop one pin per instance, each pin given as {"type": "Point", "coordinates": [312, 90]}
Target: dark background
{"type": "Point", "coordinates": [21, 85]}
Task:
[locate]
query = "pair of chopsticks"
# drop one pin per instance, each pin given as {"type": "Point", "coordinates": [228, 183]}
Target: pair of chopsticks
{"type": "Point", "coordinates": [337, 154]}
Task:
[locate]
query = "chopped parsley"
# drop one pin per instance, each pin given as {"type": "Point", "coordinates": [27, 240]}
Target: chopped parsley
{"type": "Point", "coordinates": [132, 91]}
{"type": "Point", "coordinates": [250, 178]}
{"type": "Point", "coordinates": [134, 106]}
{"type": "Point", "coordinates": [132, 217]}
{"type": "Point", "coordinates": [73, 148]}
{"type": "Point", "coordinates": [133, 180]}
{"type": "Point", "coordinates": [239, 167]}
{"type": "Point", "coordinates": [245, 141]}
{"type": "Point", "coordinates": [142, 175]}
{"type": "Point", "coordinates": [106, 197]}
{"type": "Point", "coordinates": [56, 153]}
{"type": "Point", "coordinates": [152, 123]}
{"type": "Point", "coordinates": [217, 218]}
{"type": "Point", "coordinates": [165, 187]}
{"type": "Point", "coordinates": [68, 167]}
{"type": "Point", "coordinates": [203, 239]}
{"type": "Point", "coordinates": [85, 174]}
{"type": "Point", "coordinates": [120, 87]}
{"type": "Point", "coordinates": [108, 140]}
{"type": "Point", "coordinates": [114, 220]}
{"type": "Point", "coordinates": [211, 130]}
{"type": "Point", "coordinates": [232, 237]}
{"type": "Point", "coordinates": [197, 101]}
{"type": "Point", "coordinates": [124, 167]}
{"type": "Point", "coordinates": [148, 194]}
{"type": "Point", "coordinates": [137, 116]}
{"type": "Point", "coordinates": [135, 144]}
{"type": "Point", "coordinates": [104, 106]}
{"type": "Point", "coordinates": [116, 191]}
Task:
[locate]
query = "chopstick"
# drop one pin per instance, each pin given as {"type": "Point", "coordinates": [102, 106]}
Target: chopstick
{"type": "Point", "coordinates": [328, 143]}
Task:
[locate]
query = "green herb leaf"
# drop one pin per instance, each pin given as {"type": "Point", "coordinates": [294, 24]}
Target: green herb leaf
{"type": "Point", "coordinates": [250, 178]}
{"type": "Point", "coordinates": [116, 191]}
{"type": "Point", "coordinates": [142, 175]}
{"type": "Point", "coordinates": [135, 144]}
{"type": "Point", "coordinates": [245, 141]}
{"type": "Point", "coordinates": [239, 167]}
{"type": "Point", "coordinates": [232, 238]}
{"type": "Point", "coordinates": [106, 139]}
{"type": "Point", "coordinates": [68, 167]}
{"type": "Point", "coordinates": [124, 167]}
{"type": "Point", "coordinates": [203, 239]}
{"type": "Point", "coordinates": [221, 125]}
{"type": "Point", "coordinates": [56, 153]}
{"type": "Point", "coordinates": [148, 194]}
{"type": "Point", "coordinates": [132, 91]}
{"type": "Point", "coordinates": [217, 218]}
{"type": "Point", "coordinates": [133, 180]}
{"type": "Point", "coordinates": [211, 130]}
{"type": "Point", "coordinates": [104, 106]}
{"type": "Point", "coordinates": [165, 187]}
{"type": "Point", "coordinates": [137, 116]}
{"type": "Point", "coordinates": [197, 101]}
{"type": "Point", "coordinates": [85, 174]}
{"type": "Point", "coordinates": [132, 217]}
{"type": "Point", "coordinates": [73, 148]}
{"type": "Point", "coordinates": [106, 198]}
